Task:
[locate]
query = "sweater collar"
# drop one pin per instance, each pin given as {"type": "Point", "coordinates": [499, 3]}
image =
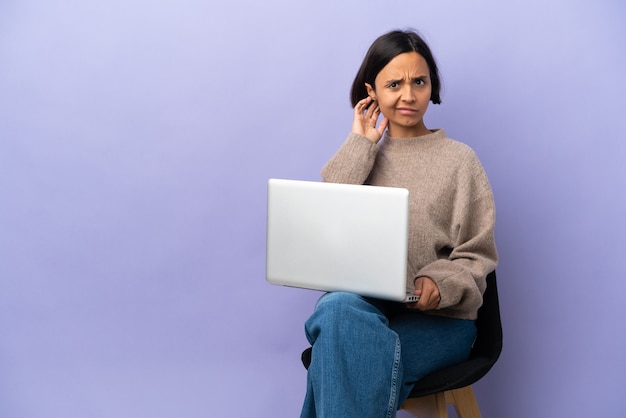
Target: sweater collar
{"type": "Point", "coordinates": [419, 141]}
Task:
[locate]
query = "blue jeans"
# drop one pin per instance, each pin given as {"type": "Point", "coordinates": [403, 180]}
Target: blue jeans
{"type": "Point", "coordinates": [368, 353]}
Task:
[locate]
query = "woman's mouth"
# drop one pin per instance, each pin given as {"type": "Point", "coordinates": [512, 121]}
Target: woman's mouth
{"type": "Point", "coordinates": [406, 111]}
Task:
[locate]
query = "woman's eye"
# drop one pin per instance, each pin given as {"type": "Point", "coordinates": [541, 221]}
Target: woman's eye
{"type": "Point", "coordinates": [393, 85]}
{"type": "Point", "coordinates": [419, 81]}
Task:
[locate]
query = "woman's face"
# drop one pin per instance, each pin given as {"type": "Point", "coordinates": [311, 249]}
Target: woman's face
{"type": "Point", "coordinates": [402, 89]}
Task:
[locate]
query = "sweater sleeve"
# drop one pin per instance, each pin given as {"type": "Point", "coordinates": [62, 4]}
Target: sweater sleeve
{"type": "Point", "coordinates": [353, 161]}
{"type": "Point", "coordinates": [461, 274]}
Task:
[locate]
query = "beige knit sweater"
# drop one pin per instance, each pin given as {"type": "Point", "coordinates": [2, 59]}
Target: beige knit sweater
{"type": "Point", "coordinates": [452, 212]}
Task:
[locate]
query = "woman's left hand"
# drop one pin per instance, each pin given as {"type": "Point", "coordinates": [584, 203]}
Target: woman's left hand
{"type": "Point", "coordinates": [428, 291]}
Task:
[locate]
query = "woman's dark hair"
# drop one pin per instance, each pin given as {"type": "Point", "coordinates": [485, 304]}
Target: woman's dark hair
{"type": "Point", "coordinates": [383, 50]}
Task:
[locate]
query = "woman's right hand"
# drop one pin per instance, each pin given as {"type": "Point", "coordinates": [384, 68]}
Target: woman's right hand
{"type": "Point", "coordinates": [365, 119]}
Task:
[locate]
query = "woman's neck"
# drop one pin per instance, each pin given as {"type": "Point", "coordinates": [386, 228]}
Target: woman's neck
{"type": "Point", "coordinates": [398, 131]}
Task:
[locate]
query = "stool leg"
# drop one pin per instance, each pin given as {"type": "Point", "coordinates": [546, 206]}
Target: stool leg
{"type": "Point", "coordinates": [464, 402]}
{"type": "Point", "coordinates": [431, 406]}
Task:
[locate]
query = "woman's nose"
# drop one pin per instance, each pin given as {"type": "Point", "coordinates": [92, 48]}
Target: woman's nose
{"type": "Point", "coordinates": [408, 94]}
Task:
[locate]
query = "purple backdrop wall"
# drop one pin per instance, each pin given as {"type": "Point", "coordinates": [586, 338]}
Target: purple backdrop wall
{"type": "Point", "coordinates": [136, 139]}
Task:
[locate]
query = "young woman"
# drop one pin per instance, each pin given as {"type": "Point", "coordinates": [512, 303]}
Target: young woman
{"type": "Point", "coordinates": [368, 353]}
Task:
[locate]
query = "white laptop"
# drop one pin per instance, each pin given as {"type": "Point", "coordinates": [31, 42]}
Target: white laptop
{"type": "Point", "coordinates": [338, 237]}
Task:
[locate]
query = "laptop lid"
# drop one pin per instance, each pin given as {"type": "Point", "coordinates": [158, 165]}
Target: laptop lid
{"type": "Point", "coordinates": [338, 237]}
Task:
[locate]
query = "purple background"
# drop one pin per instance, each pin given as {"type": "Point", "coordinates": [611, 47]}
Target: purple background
{"type": "Point", "coordinates": [136, 139]}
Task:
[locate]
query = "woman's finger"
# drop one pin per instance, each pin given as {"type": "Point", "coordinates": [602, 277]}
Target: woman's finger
{"type": "Point", "coordinates": [373, 111]}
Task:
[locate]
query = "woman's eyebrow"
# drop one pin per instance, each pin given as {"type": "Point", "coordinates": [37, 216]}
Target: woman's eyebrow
{"type": "Point", "coordinates": [396, 80]}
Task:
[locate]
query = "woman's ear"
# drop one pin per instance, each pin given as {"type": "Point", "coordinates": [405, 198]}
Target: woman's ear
{"type": "Point", "coordinates": [370, 91]}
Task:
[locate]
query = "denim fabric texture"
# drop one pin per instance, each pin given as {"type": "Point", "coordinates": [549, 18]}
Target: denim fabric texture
{"type": "Point", "coordinates": [368, 353]}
